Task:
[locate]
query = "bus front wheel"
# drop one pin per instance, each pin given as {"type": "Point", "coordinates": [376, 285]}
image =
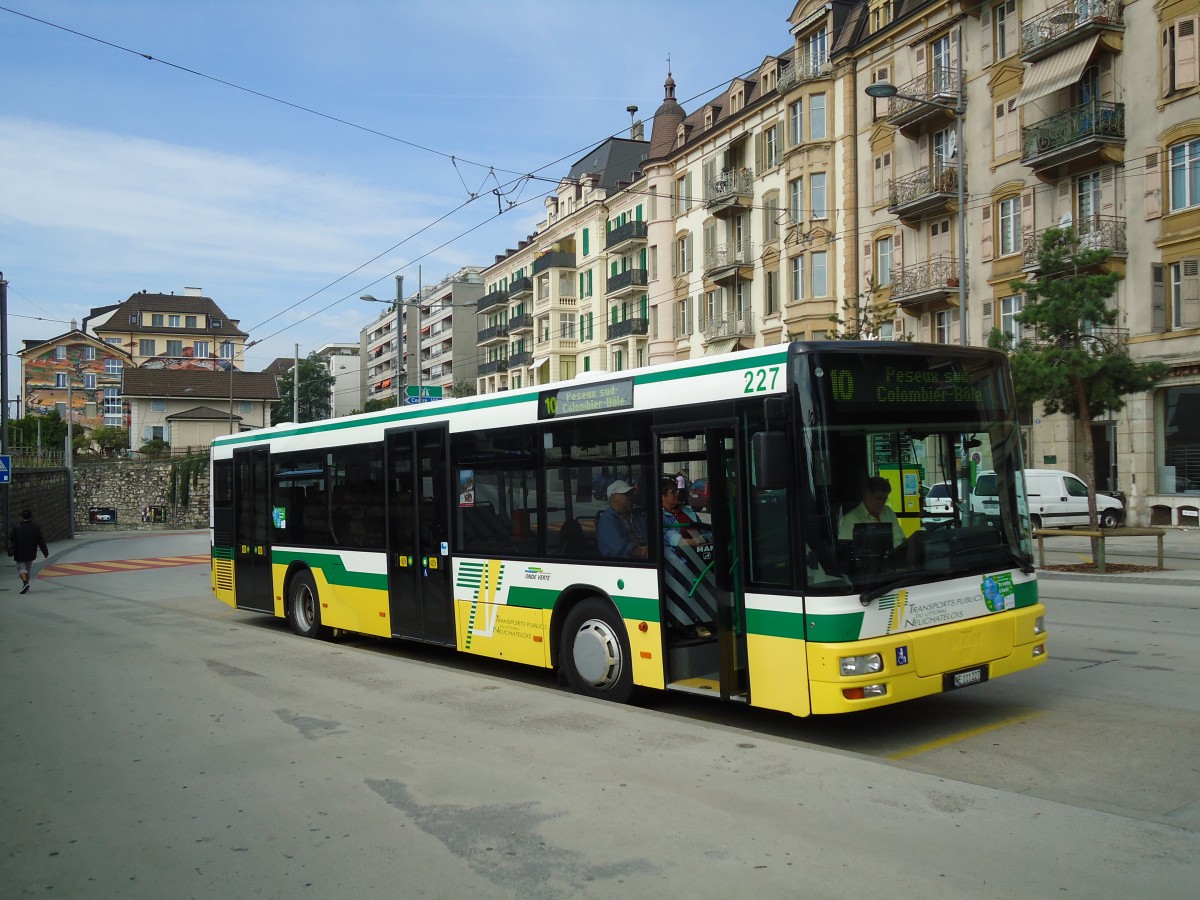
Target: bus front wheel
{"type": "Point", "coordinates": [595, 652]}
{"type": "Point", "coordinates": [304, 607]}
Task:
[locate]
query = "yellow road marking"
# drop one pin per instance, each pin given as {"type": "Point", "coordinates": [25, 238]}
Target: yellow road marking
{"type": "Point", "coordinates": [100, 567]}
{"type": "Point", "coordinates": [965, 735]}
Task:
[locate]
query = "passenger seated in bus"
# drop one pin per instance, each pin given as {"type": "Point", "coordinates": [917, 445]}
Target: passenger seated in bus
{"type": "Point", "coordinates": [620, 532]}
{"type": "Point", "coordinates": [687, 554]}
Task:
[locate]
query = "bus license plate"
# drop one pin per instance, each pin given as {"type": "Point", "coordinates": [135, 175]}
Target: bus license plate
{"type": "Point", "coordinates": [966, 678]}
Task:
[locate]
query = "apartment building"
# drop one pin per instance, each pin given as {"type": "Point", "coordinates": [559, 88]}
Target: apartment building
{"type": "Point", "coordinates": [75, 374]}
{"type": "Point", "coordinates": [342, 361]}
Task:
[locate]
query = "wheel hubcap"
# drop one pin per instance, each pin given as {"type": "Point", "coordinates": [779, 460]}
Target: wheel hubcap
{"type": "Point", "coordinates": [305, 607]}
{"type": "Point", "coordinates": [597, 654]}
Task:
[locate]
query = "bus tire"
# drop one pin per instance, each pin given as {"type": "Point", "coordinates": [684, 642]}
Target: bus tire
{"type": "Point", "coordinates": [595, 652]}
{"type": "Point", "coordinates": [304, 607]}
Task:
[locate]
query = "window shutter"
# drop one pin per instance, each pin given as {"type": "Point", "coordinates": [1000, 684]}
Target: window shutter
{"type": "Point", "coordinates": [1186, 73]}
{"type": "Point", "coordinates": [1107, 191]}
{"type": "Point", "coordinates": [1165, 62]}
{"type": "Point", "coordinates": [919, 62]}
{"type": "Point", "coordinates": [1107, 80]}
{"type": "Point", "coordinates": [985, 31]}
{"type": "Point", "coordinates": [881, 103]}
{"type": "Point", "coordinates": [925, 327]}
{"type": "Point", "coordinates": [1158, 303]}
{"type": "Point", "coordinates": [1000, 132]}
{"type": "Point", "coordinates": [923, 149]}
{"type": "Point", "coordinates": [1153, 184]}
{"type": "Point", "coordinates": [985, 238]}
{"type": "Point", "coordinates": [1027, 229]}
{"type": "Point", "coordinates": [1012, 143]}
{"type": "Point", "coordinates": [1189, 293]}
{"type": "Point", "coordinates": [1011, 21]}
{"type": "Point", "coordinates": [868, 265]}
{"type": "Point", "coordinates": [897, 254]}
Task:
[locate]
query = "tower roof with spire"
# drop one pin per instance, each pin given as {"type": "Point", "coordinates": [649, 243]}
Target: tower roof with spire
{"type": "Point", "coordinates": [666, 121]}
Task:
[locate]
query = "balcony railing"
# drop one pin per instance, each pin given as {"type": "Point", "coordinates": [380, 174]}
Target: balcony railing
{"type": "Point", "coordinates": [629, 280]}
{"type": "Point", "coordinates": [493, 366]}
{"type": "Point", "coordinates": [924, 190]}
{"type": "Point", "coordinates": [729, 325]}
{"type": "Point", "coordinates": [1065, 23]}
{"type": "Point", "coordinates": [618, 330]}
{"type": "Point", "coordinates": [524, 358]}
{"type": "Point", "coordinates": [1091, 233]}
{"type": "Point", "coordinates": [523, 322]}
{"type": "Point", "coordinates": [629, 233]}
{"type": "Point", "coordinates": [495, 332]}
{"type": "Point", "coordinates": [1097, 121]}
{"type": "Point", "coordinates": [556, 259]}
{"type": "Point", "coordinates": [520, 287]}
{"type": "Point", "coordinates": [938, 85]}
{"type": "Point", "coordinates": [728, 187]}
{"type": "Point", "coordinates": [805, 67]}
{"type": "Point", "coordinates": [935, 276]}
{"type": "Point", "coordinates": [728, 256]}
{"type": "Point", "coordinates": [488, 300]}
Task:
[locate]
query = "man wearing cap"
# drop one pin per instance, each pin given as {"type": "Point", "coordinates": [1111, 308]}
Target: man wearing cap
{"type": "Point", "coordinates": [620, 532]}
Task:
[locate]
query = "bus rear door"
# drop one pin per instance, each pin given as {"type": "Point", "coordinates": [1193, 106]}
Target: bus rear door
{"type": "Point", "coordinates": [419, 572]}
{"type": "Point", "coordinates": [252, 530]}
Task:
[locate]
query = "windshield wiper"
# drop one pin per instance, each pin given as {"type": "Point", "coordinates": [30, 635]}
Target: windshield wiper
{"type": "Point", "coordinates": [903, 581]}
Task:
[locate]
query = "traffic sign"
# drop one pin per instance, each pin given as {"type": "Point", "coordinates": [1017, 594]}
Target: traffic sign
{"type": "Point", "coordinates": [5, 469]}
{"type": "Point", "coordinates": [424, 393]}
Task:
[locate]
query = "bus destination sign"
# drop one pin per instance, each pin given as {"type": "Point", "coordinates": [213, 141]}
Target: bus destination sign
{"type": "Point", "coordinates": [580, 400]}
{"type": "Point", "coordinates": [904, 385]}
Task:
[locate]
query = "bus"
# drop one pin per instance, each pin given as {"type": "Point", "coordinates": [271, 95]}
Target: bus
{"type": "Point", "coordinates": [486, 524]}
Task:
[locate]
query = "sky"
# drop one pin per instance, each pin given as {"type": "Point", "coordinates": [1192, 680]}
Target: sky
{"type": "Point", "coordinates": [288, 157]}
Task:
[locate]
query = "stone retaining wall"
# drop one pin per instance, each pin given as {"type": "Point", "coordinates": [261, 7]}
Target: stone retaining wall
{"type": "Point", "coordinates": [138, 494]}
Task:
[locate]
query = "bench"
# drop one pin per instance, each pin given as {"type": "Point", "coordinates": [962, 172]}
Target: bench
{"type": "Point", "coordinates": [1042, 533]}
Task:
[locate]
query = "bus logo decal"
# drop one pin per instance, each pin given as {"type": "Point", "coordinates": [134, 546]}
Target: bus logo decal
{"type": "Point", "coordinates": [896, 603]}
{"type": "Point", "coordinates": [484, 581]}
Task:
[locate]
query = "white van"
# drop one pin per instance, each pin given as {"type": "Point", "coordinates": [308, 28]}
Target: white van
{"type": "Point", "coordinates": [1060, 498]}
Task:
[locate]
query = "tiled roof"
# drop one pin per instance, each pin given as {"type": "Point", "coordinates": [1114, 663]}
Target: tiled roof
{"type": "Point", "coordinates": [198, 384]}
{"type": "Point", "coordinates": [204, 308]}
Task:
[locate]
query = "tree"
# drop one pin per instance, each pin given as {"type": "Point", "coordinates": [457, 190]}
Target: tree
{"type": "Point", "coordinates": [864, 317]}
{"type": "Point", "coordinates": [49, 429]}
{"type": "Point", "coordinates": [110, 438]}
{"type": "Point", "coordinates": [377, 403]}
{"type": "Point", "coordinates": [463, 388]}
{"type": "Point", "coordinates": [1076, 360]}
{"type": "Point", "coordinates": [316, 382]}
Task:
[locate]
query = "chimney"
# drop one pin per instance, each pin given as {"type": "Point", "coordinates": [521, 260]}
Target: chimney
{"type": "Point", "coordinates": [637, 131]}
{"type": "Point", "coordinates": [193, 292]}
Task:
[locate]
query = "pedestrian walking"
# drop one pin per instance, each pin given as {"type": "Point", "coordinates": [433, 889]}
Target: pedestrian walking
{"type": "Point", "coordinates": [24, 541]}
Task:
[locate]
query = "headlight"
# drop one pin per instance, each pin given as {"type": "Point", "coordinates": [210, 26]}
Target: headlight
{"type": "Point", "coordinates": [1039, 625]}
{"type": "Point", "coordinates": [861, 665]}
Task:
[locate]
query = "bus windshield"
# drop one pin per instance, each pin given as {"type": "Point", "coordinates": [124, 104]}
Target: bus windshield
{"type": "Point", "coordinates": [909, 466]}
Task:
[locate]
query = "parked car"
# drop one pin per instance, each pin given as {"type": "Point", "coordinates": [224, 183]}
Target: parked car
{"type": "Point", "coordinates": [1060, 498]}
{"type": "Point", "coordinates": [697, 494]}
{"type": "Point", "coordinates": [937, 505]}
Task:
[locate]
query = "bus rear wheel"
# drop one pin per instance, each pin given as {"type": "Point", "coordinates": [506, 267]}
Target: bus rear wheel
{"type": "Point", "coordinates": [304, 607]}
{"type": "Point", "coordinates": [595, 652]}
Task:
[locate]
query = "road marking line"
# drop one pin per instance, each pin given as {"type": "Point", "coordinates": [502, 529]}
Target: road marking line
{"type": "Point", "coordinates": [965, 735]}
{"type": "Point", "coordinates": [103, 567]}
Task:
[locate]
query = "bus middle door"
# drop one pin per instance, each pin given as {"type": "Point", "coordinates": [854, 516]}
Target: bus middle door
{"type": "Point", "coordinates": [252, 530]}
{"type": "Point", "coordinates": [420, 592]}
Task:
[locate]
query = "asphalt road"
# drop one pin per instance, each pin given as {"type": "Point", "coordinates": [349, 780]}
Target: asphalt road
{"type": "Point", "coordinates": [157, 744]}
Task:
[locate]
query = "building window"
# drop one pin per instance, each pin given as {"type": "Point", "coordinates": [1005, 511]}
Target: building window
{"type": "Point", "coordinates": [1004, 25]}
{"type": "Point", "coordinates": [89, 381]}
{"type": "Point", "coordinates": [175, 348]}
{"type": "Point", "coordinates": [112, 407]}
{"type": "Point", "coordinates": [797, 278]}
{"type": "Point", "coordinates": [771, 148]}
{"type": "Point", "coordinates": [796, 200]}
{"type": "Point", "coordinates": [1009, 307]}
{"type": "Point", "coordinates": [89, 352]}
{"type": "Point", "coordinates": [883, 262]}
{"type": "Point", "coordinates": [771, 218]}
{"type": "Point", "coordinates": [816, 183]}
{"type": "Point", "coordinates": [771, 293]}
{"type": "Point", "coordinates": [156, 320]}
{"type": "Point", "coordinates": [1010, 226]}
{"type": "Point", "coordinates": [943, 322]}
{"type": "Point", "coordinates": [173, 321]}
{"type": "Point", "coordinates": [200, 349]}
{"type": "Point", "coordinates": [820, 274]}
{"type": "Point", "coordinates": [796, 123]}
{"type": "Point", "coordinates": [60, 352]}
{"type": "Point", "coordinates": [189, 321]}
{"type": "Point", "coordinates": [816, 117]}
{"type": "Point", "coordinates": [146, 347]}
{"type": "Point", "coordinates": [1179, 65]}
{"type": "Point", "coordinates": [1185, 174]}
{"type": "Point", "coordinates": [60, 379]}
{"type": "Point", "coordinates": [1180, 439]}
{"type": "Point", "coordinates": [227, 349]}
{"type": "Point", "coordinates": [158, 406]}
{"type": "Point", "coordinates": [113, 366]}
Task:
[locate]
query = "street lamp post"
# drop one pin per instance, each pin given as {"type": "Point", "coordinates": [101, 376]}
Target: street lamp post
{"type": "Point", "coordinates": [396, 304]}
{"type": "Point", "coordinates": [881, 89]}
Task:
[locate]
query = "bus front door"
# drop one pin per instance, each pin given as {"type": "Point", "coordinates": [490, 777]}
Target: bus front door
{"type": "Point", "coordinates": [252, 530]}
{"type": "Point", "coordinates": [703, 611]}
{"type": "Point", "coordinates": [419, 573]}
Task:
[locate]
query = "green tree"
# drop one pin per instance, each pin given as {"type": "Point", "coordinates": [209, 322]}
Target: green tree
{"type": "Point", "coordinates": [110, 438]}
{"type": "Point", "coordinates": [316, 382]}
{"type": "Point", "coordinates": [375, 404]}
{"type": "Point", "coordinates": [1076, 360]}
{"type": "Point", "coordinates": [49, 428]}
{"type": "Point", "coordinates": [463, 388]}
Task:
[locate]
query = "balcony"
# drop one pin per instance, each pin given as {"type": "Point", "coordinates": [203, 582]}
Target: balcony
{"type": "Point", "coordinates": [938, 85]}
{"type": "Point", "coordinates": [1091, 233]}
{"type": "Point", "coordinates": [1088, 135]}
{"type": "Point", "coordinates": [805, 67]}
{"type": "Point", "coordinates": [729, 261]}
{"type": "Point", "coordinates": [493, 334]}
{"type": "Point", "coordinates": [924, 282]}
{"type": "Point", "coordinates": [518, 360]}
{"type": "Point", "coordinates": [730, 192]}
{"type": "Point", "coordinates": [520, 324]}
{"type": "Point", "coordinates": [630, 327]}
{"type": "Point", "coordinates": [1067, 23]}
{"type": "Point", "coordinates": [927, 191]}
{"type": "Point", "coordinates": [488, 300]}
{"type": "Point", "coordinates": [520, 288]}
{"type": "Point", "coordinates": [728, 325]}
{"type": "Point", "coordinates": [626, 237]}
{"type": "Point", "coordinates": [555, 259]}
{"type": "Point", "coordinates": [493, 366]}
{"type": "Point", "coordinates": [631, 281]}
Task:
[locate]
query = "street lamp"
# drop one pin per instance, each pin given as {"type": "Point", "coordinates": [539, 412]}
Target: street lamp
{"type": "Point", "coordinates": [881, 89]}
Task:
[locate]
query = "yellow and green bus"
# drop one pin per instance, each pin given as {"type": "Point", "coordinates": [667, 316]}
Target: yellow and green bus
{"type": "Point", "coordinates": [489, 524]}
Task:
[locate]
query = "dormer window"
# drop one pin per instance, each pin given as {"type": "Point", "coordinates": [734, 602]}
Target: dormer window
{"type": "Point", "coordinates": [708, 117]}
{"type": "Point", "coordinates": [135, 318]}
{"type": "Point", "coordinates": [737, 99]}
